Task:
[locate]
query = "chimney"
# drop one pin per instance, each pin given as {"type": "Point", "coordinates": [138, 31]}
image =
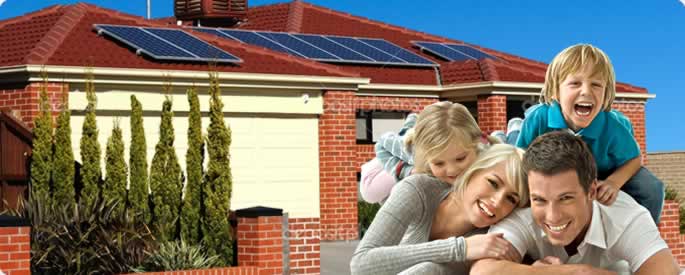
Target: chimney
{"type": "Point", "coordinates": [219, 13]}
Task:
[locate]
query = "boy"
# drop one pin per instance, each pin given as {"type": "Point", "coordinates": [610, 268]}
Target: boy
{"type": "Point", "coordinates": [579, 89]}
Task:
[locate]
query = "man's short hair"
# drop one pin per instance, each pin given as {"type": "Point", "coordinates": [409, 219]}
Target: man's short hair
{"type": "Point", "coordinates": [561, 151]}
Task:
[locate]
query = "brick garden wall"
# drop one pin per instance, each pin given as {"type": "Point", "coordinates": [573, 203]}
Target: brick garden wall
{"type": "Point", "coordinates": [15, 250]}
{"type": "Point", "coordinates": [636, 113]}
{"type": "Point", "coordinates": [669, 227]}
{"type": "Point", "coordinates": [492, 113]}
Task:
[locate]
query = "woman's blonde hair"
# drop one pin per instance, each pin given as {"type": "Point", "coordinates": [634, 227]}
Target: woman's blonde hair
{"type": "Point", "coordinates": [497, 153]}
{"type": "Point", "coordinates": [574, 59]}
{"type": "Point", "coordinates": [438, 126]}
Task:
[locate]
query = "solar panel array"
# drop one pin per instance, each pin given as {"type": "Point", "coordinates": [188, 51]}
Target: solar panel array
{"type": "Point", "coordinates": [327, 48]}
{"type": "Point", "coordinates": [167, 44]}
{"type": "Point", "coordinates": [452, 52]}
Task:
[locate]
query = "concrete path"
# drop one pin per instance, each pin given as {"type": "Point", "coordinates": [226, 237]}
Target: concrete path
{"type": "Point", "coordinates": [336, 256]}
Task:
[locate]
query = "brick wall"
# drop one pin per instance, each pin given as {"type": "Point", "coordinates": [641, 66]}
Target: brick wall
{"type": "Point", "coordinates": [340, 159]}
{"type": "Point", "coordinates": [669, 168]}
{"type": "Point", "coordinates": [669, 227]}
{"type": "Point", "coordinates": [25, 101]}
{"type": "Point", "coordinates": [260, 243]}
{"type": "Point", "coordinates": [492, 113]}
{"type": "Point", "coordinates": [305, 245]}
{"type": "Point", "coordinates": [338, 187]}
{"type": "Point", "coordinates": [636, 113]}
{"type": "Point", "coordinates": [15, 250]}
{"type": "Point", "coordinates": [247, 270]}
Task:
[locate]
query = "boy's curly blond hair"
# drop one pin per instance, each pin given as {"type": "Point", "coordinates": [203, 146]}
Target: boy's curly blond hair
{"type": "Point", "coordinates": [574, 59]}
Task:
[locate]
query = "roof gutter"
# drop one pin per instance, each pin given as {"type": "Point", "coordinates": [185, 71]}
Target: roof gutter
{"type": "Point", "coordinates": [153, 77]}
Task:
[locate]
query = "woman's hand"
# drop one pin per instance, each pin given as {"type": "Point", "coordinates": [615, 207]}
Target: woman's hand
{"type": "Point", "coordinates": [490, 246]}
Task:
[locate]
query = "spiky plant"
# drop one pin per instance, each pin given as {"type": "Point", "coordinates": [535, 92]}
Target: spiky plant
{"type": "Point", "coordinates": [216, 229]}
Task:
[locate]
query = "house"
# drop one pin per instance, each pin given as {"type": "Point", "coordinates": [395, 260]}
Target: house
{"type": "Point", "coordinates": [302, 122]}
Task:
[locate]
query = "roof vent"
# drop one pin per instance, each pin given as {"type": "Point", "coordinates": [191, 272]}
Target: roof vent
{"type": "Point", "coordinates": [214, 10]}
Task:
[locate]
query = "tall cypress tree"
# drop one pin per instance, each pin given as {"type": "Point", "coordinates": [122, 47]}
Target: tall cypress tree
{"type": "Point", "coordinates": [190, 215]}
{"type": "Point", "coordinates": [138, 190]}
{"type": "Point", "coordinates": [41, 159]}
{"type": "Point", "coordinates": [166, 179]}
{"type": "Point", "coordinates": [216, 229]}
{"type": "Point", "coordinates": [90, 148]}
{"type": "Point", "coordinates": [63, 173]}
{"type": "Point", "coordinates": [115, 165]}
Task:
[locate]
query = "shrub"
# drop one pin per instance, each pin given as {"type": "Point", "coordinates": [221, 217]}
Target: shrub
{"type": "Point", "coordinates": [366, 211]}
{"type": "Point", "coordinates": [63, 158]}
{"type": "Point", "coordinates": [117, 172]}
{"type": "Point", "coordinates": [90, 148]}
{"type": "Point", "coordinates": [138, 191]}
{"type": "Point", "coordinates": [86, 239]}
{"type": "Point", "coordinates": [178, 255]}
{"type": "Point", "coordinates": [41, 158]}
{"type": "Point", "coordinates": [192, 200]}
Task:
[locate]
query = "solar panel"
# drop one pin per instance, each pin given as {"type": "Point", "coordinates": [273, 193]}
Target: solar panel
{"type": "Point", "coordinates": [167, 44]}
{"type": "Point", "coordinates": [452, 52]}
{"type": "Point", "coordinates": [334, 49]}
{"type": "Point", "coordinates": [343, 52]}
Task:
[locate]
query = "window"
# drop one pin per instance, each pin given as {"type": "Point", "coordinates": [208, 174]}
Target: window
{"type": "Point", "coordinates": [371, 125]}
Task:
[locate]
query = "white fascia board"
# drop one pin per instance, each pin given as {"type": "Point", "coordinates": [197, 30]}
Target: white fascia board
{"type": "Point", "coordinates": [103, 75]}
{"type": "Point", "coordinates": [400, 90]}
{"type": "Point", "coordinates": [517, 88]}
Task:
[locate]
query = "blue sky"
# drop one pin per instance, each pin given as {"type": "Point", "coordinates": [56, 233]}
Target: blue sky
{"type": "Point", "coordinates": [644, 39]}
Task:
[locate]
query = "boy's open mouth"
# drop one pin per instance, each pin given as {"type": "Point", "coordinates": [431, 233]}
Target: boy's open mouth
{"type": "Point", "coordinates": [583, 109]}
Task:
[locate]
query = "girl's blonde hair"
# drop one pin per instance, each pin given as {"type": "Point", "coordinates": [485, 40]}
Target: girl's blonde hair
{"type": "Point", "coordinates": [574, 59]}
{"type": "Point", "coordinates": [497, 153]}
{"type": "Point", "coordinates": [438, 126]}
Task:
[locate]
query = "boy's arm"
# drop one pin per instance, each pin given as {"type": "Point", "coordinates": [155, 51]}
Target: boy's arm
{"type": "Point", "coordinates": [607, 190]}
{"type": "Point", "coordinates": [490, 266]}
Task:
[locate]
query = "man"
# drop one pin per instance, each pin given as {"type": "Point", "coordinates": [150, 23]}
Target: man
{"type": "Point", "coordinates": [565, 224]}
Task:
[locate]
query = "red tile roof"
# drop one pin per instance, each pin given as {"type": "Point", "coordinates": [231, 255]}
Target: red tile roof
{"type": "Point", "coordinates": [63, 35]}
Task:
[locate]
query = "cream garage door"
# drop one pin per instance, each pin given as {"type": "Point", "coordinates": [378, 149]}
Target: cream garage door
{"type": "Point", "coordinates": [275, 163]}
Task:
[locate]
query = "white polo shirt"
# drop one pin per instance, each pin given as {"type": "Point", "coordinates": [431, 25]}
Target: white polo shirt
{"type": "Point", "coordinates": [622, 231]}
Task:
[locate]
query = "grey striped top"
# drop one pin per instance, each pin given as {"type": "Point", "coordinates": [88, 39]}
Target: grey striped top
{"type": "Point", "coordinates": [398, 239]}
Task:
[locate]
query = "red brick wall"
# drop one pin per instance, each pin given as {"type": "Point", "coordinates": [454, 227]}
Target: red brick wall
{"type": "Point", "coordinates": [337, 159]}
{"type": "Point", "coordinates": [260, 243]}
{"type": "Point", "coordinates": [25, 101]}
{"type": "Point", "coordinates": [15, 250]}
{"type": "Point", "coordinates": [492, 113]}
{"type": "Point", "coordinates": [669, 227]}
{"type": "Point", "coordinates": [305, 245]}
{"type": "Point", "coordinates": [636, 113]}
{"type": "Point", "coordinates": [243, 270]}
{"type": "Point", "coordinates": [340, 160]}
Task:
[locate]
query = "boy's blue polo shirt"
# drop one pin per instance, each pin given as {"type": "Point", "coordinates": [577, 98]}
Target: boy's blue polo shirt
{"type": "Point", "coordinates": [609, 135]}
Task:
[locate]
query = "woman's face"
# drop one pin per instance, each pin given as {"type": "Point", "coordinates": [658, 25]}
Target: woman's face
{"type": "Point", "coordinates": [488, 197]}
{"type": "Point", "coordinates": [451, 163]}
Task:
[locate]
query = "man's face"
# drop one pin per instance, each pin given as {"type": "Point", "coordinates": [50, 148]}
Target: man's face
{"type": "Point", "coordinates": [560, 206]}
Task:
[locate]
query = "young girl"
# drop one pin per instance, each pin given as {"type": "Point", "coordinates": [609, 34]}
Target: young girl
{"type": "Point", "coordinates": [395, 155]}
{"type": "Point", "coordinates": [580, 87]}
{"type": "Point", "coordinates": [428, 225]}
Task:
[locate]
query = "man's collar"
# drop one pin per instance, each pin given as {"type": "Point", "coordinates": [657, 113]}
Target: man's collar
{"type": "Point", "coordinates": [555, 120]}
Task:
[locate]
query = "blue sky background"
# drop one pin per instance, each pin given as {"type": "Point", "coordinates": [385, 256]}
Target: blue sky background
{"type": "Point", "coordinates": [644, 39]}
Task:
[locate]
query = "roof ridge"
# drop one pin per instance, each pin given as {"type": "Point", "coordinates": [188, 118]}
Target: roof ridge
{"type": "Point", "coordinates": [487, 69]}
{"type": "Point", "coordinates": [54, 37]}
{"type": "Point", "coordinates": [295, 16]}
{"type": "Point", "coordinates": [283, 56]}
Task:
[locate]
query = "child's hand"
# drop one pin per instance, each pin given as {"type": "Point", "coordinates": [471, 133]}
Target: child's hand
{"type": "Point", "coordinates": [549, 260]}
{"type": "Point", "coordinates": [606, 192]}
{"type": "Point", "coordinates": [489, 246]}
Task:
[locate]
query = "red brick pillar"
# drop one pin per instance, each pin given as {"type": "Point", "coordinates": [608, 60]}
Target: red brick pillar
{"type": "Point", "coordinates": [15, 246]}
{"type": "Point", "coordinates": [260, 239]}
{"type": "Point", "coordinates": [492, 113]}
{"type": "Point", "coordinates": [636, 113]}
{"type": "Point", "coordinates": [337, 170]}
{"type": "Point", "coordinates": [669, 227]}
